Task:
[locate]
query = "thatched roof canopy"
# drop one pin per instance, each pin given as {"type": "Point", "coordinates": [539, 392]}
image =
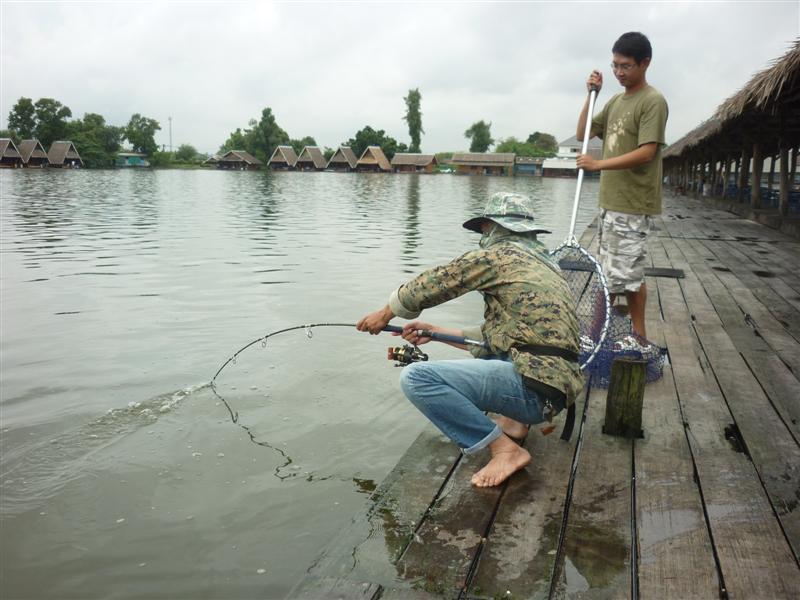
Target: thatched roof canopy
{"type": "Point", "coordinates": [484, 159]}
{"type": "Point", "coordinates": [373, 155]}
{"type": "Point", "coordinates": [236, 156]}
{"type": "Point", "coordinates": [8, 149]}
{"type": "Point", "coordinates": [344, 155]}
{"type": "Point", "coordinates": [284, 154]}
{"type": "Point", "coordinates": [766, 109]}
{"type": "Point", "coordinates": [31, 149]}
{"type": "Point", "coordinates": [313, 155]}
{"type": "Point", "coordinates": [410, 158]}
{"type": "Point", "coordinates": [61, 151]}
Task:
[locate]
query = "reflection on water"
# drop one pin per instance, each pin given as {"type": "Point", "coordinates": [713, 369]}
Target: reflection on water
{"type": "Point", "coordinates": [118, 287]}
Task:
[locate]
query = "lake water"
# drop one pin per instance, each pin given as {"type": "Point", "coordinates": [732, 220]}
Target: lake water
{"type": "Point", "coordinates": [122, 293]}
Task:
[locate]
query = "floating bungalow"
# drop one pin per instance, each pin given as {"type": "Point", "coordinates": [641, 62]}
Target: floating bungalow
{"type": "Point", "coordinates": [33, 154]}
{"type": "Point", "coordinates": [484, 163]}
{"type": "Point", "coordinates": [9, 155]}
{"type": "Point", "coordinates": [408, 162]}
{"type": "Point", "coordinates": [724, 157]}
{"type": "Point", "coordinates": [311, 159]}
{"type": "Point", "coordinates": [528, 166]}
{"type": "Point", "coordinates": [564, 163]}
{"type": "Point", "coordinates": [131, 159]}
{"type": "Point", "coordinates": [343, 160]}
{"type": "Point", "coordinates": [237, 160]}
{"type": "Point", "coordinates": [63, 155]}
{"type": "Point", "coordinates": [283, 159]}
{"type": "Point", "coordinates": [373, 160]}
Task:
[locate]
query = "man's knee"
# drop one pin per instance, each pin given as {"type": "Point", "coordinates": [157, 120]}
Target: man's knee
{"type": "Point", "coordinates": [413, 377]}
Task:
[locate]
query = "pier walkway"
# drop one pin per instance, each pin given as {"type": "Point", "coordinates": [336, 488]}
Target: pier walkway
{"type": "Point", "coordinates": [704, 506]}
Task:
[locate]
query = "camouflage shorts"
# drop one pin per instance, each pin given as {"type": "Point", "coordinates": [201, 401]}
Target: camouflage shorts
{"type": "Point", "coordinates": [623, 249]}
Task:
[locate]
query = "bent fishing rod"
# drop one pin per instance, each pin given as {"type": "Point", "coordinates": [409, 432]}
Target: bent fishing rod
{"type": "Point", "coordinates": [402, 354]}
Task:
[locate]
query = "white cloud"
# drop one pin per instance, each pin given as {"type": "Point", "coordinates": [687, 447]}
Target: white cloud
{"type": "Point", "coordinates": [328, 69]}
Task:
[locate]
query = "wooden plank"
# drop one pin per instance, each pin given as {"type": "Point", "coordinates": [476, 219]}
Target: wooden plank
{"type": "Point", "coordinates": [675, 553]}
{"type": "Point", "coordinates": [439, 557]}
{"type": "Point", "coordinates": [596, 558]}
{"type": "Point", "coordinates": [753, 555]}
{"type": "Point", "coordinates": [367, 549]}
{"type": "Point", "coordinates": [741, 521]}
{"type": "Point", "coordinates": [519, 555]}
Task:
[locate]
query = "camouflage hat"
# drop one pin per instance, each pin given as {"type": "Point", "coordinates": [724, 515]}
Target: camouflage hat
{"type": "Point", "coordinates": [512, 211]}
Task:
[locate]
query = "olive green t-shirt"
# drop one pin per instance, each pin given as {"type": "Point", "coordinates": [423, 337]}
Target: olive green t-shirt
{"type": "Point", "coordinates": [624, 124]}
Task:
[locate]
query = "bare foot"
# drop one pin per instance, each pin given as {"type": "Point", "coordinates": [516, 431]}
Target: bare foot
{"type": "Point", "coordinates": [513, 429]}
{"type": "Point", "coordinates": [507, 459]}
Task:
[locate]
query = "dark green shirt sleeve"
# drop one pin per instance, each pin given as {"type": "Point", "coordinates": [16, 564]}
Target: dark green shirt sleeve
{"type": "Point", "coordinates": [654, 120]}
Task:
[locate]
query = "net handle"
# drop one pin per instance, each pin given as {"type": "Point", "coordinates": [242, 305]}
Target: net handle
{"type": "Point", "coordinates": [584, 148]}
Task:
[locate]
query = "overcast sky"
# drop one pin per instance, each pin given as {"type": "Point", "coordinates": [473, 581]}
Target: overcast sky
{"type": "Point", "coordinates": [329, 68]}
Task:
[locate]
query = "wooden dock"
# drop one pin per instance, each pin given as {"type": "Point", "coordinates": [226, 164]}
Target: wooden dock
{"type": "Point", "coordinates": [704, 506]}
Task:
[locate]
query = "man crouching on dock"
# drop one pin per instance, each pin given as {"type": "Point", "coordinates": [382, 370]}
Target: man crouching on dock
{"type": "Point", "coordinates": [529, 371]}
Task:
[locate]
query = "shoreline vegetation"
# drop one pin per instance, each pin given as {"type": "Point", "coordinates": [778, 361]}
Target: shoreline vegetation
{"type": "Point", "coordinates": [100, 144]}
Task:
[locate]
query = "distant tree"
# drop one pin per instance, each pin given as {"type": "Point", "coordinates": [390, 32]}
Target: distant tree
{"type": "Point", "coordinates": [267, 135]}
{"type": "Point", "coordinates": [371, 137]}
{"type": "Point", "coordinates": [22, 119]}
{"type": "Point", "coordinates": [512, 144]}
{"type": "Point", "coordinates": [96, 141]}
{"type": "Point", "coordinates": [140, 132]}
{"type": "Point", "coordinates": [161, 159]}
{"type": "Point", "coordinates": [545, 141]}
{"type": "Point", "coordinates": [51, 121]}
{"type": "Point", "coordinates": [328, 153]}
{"type": "Point", "coordinates": [480, 136]}
{"type": "Point", "coordinates": [414, 118]}
{"type": "Point", "coordinates": [298, 145]}
{"type": "Point", "coordinates": [186, 153]}
{"type": "Point", "coordinates": [7, 133]}
{"type": "Point", "coordinates": [237, 140]}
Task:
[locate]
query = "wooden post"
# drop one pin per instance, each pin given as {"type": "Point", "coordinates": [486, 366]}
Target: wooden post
{"type": "Point", "coordinates": [744, 171]}
{"type": "Point", "coordinates": [726, 174]}
{"type": "Point", "coordinates": [758, 169]}
{"type": "Point", "coordinates": [771, 178]}
{"type": "Point", "coordinates": [783, 200]}
{"type": "Point", "coordinates": [714, 176]}
{"type": "Point", "coordinates": [625, 398]}
{"type": "Point", "coordinates": [793, 167]}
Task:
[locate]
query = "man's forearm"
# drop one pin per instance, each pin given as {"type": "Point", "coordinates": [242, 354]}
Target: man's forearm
{"type": "Point", "coordinates": [642, 155]}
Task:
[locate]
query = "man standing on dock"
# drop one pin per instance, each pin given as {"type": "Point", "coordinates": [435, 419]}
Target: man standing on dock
{"type": "Point", "coordinates": [632, 126]}
{"type": "Point", "coordinates": [529, 358]}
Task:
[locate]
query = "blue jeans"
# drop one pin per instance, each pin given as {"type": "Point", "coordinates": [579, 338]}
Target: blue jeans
{"type": "Point", "coordinates": [454, 394]}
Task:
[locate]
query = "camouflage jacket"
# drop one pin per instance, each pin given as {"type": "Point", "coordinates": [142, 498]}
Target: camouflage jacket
{"type": "Point", "coordinates": [527, 302]}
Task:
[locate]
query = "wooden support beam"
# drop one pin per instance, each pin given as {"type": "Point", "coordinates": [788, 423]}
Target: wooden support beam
{"type": "Point", "coordinates": [758, 169]}
{"type": "Point", "coordinates": [625, 398]}
{"type": "Point", "coordinates": [744, 171]}
{"type": "Point", "coordinates": [771, 179]}
{"type": "Point", "coordinates": [783, 200]}
{"type": "Point", "coordinates": [726, 175]}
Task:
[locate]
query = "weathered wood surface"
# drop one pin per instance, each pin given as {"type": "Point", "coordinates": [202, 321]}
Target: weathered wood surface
{"type": "Point", "coordinates": [704, 506]}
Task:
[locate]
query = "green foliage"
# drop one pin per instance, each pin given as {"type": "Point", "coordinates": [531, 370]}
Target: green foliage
{"type": "Point", "coordinates": [186, 153]}
{"type": "Point", "coordinates": [414, 118]}
{"type": "Point", "coordinates": [260, 140]}
{"type": "Point", "coordinates": [298, 145]}
{"type": "Point", "coordinates": [512, 144]}
{"type": "Point", "coordinates": [140, 132]}
{"type": "Point", "coordinates": [161, 159]}
{"type": "Point", "coordinates": [7, 133]}
{"type": "Point", "coordinates": [22, 119]}
{"type": "Point", "coordinates": [328, 153]}
{"type": "Point", "coordinates": [371, 137]}
{"type": "Point", "coordinates": [545, 141]}
{"type": "Point", "coordinates": [51, 121]}
{"type": "Point", "coordinates": [97, 142]}
{"type": "Point", "coordinates": [480, 136]}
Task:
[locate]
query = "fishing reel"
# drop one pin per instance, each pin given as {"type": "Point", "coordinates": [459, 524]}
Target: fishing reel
{"type": "Point", "coordinates": [405, 355]}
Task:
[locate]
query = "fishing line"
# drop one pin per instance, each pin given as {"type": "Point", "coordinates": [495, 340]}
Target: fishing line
{"type": "Point", "coordinates": [235, 414]}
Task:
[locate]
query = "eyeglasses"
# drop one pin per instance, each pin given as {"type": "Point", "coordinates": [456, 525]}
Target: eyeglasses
{"type": "Point", "coordinates": [623, 67]}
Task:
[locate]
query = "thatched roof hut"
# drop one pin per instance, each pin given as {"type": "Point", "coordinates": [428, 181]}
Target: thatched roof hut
{"type": "Point", "coordinates": [283, 159]}
{"type": "Point", "coordinates": [762, 120]}
{"type": "Point", "coordinates": [343, 160]}
{"type": "Point", "coordinates": [64, 155]}
{"type": "Point", "coordinates": [9, 155]}
{"type": "Point", "coordinates": [373, 160]}
{"type": "Point", "coordinates": [483, 163]}
{"type": "Point", "coordinates": [33, 153]}
{"type": "Point", "coordinates": [310, 159]}
{"type": "Point", "coordinates": [238, 160]}
{"type": "Point", "coordinates": [409, 162]}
